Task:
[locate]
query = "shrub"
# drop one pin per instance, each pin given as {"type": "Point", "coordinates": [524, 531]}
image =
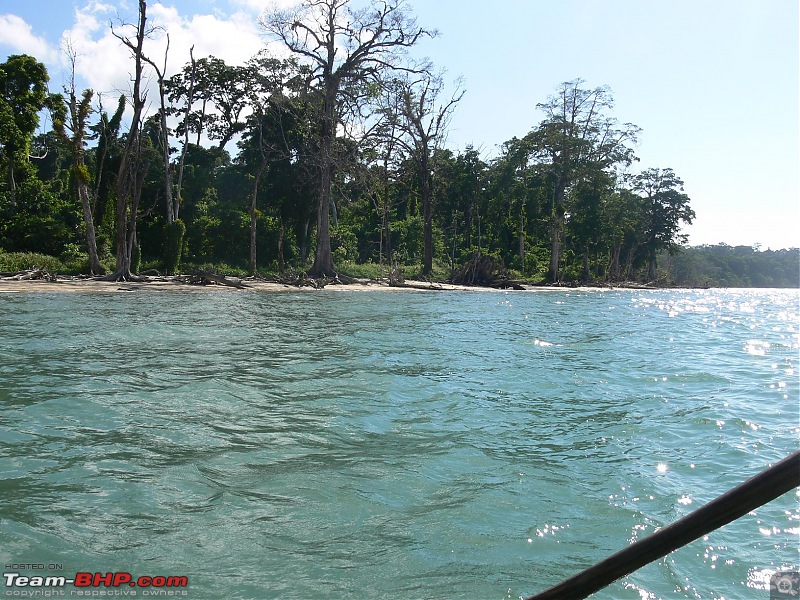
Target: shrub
{"type": "Point", "coordinates": [173, 243]}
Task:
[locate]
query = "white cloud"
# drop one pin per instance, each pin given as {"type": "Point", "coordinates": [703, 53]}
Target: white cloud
{"type": "Point", "coordinates": [18, 35]}
{"type": "Point", "coordinates": [106, 64]}
{"type": "Point", "coordinates": [259, 6]}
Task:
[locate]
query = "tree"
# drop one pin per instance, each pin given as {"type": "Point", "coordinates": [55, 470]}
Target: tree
{"type": "Point", "coordinates": [189, 94]}
{"type": "Point", "coordinates": [666, 208]}
{"type": "Point", "coordinates": [424, 120]}
{"type": "Point", "coordinates": [577, 138]}
{"type": "Point", "coordinates": [23, 93]}
{"type": "Point", "coordinates": [515, 187]}
{"type": "Point", "coordinates": [163, 136]}
{"type": "Point", "coordinates": [106, 158]}
{"type": "Point", "coordinates": [623, 225]}
{"type": "Point", "coordinates": [586, 226]}
{"type": "Point", "coordinates": [266, 80]}
{"type": "Point", "coordinates": [132, 170]}
{"type": "Point", "coordinates": [344, 47]}
{"type": "Point", "coordinates": [70, 117]}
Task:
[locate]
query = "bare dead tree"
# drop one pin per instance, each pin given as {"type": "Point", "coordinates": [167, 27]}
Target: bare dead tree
{"type": "Point", "coordinates": [130, 174]}
{"type": "Point", "coordinates": [185, 148]}
{"type": "Point", "coordinates": [164, 133]}
{"type": "Point", "coordinates": [423, 119]}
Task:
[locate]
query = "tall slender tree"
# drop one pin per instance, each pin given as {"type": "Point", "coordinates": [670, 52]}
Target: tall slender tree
{"type": "Point", "coordinates": [266, 82]}
{"type": "Point", "coordinates": [131, 170]}
{"type": "Point", "coordinates": [424, 118]}
{"type": "Point", "coordinates": [70, 121]}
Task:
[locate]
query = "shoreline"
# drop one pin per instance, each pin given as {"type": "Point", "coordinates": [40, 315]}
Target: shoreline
{"type": "Point", "coordinates": [162, 284]}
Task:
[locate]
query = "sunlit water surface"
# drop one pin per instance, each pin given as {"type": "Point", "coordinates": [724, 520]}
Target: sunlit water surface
{"type": "Point", "coordinates": [395, 445]}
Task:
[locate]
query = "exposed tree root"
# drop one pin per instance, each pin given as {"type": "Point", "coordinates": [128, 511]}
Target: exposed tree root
{"type": "Point", "coordinates": [120, 276]}
{"type": "Point", "coordinates": [486, 271]}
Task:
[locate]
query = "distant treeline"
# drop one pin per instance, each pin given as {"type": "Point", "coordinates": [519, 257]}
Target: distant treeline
{"type": "Point", "coordinates": [339, 161]}
{"type": "Point", "coordinates": [734, 266]}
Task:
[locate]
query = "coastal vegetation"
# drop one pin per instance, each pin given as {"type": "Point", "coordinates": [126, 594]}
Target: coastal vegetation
{"type": "Point", "coordinates": [333, 160]}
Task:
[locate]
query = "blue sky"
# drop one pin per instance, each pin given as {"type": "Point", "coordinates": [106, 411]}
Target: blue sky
{"type": "Point", "coordinates": [712, 83]}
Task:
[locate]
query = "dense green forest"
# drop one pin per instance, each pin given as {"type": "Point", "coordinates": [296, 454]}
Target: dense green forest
{"type": "Point", "coordinates": [334, 161]}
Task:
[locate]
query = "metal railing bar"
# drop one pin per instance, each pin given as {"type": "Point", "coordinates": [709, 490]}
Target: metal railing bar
{"type": "Point", "coordinates": [756, 491]}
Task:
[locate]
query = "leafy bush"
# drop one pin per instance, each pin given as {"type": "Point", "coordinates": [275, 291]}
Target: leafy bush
{"type": "Point", "coordinates": [14, 262]}
{"type": "Point", "coordinates": [173, 243]}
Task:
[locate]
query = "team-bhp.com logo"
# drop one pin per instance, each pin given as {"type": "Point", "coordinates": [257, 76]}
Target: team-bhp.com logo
{"type": "Point", "coordinates": [88, 584]}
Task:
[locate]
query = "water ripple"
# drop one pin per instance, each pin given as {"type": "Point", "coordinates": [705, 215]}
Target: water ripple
{"type": "Point", "coordinates": [394, 445]}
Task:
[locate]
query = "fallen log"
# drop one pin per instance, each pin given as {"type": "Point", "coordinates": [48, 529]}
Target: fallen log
{"type": "Point", "coordinates": [419, 286]}
{"type": "Point", "coordinates": [304, 280]}
{"type": "Point", "coordinates": [504, 284]}
{"type": "Point", "coordinates": [200, 277]}
{"type": "Point", "coordinates": [28, 274]}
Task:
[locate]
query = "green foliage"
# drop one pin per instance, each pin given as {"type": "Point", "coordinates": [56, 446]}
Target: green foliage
{"type": "Point", "coordinates": [407, 240]}
{"type": "Point", "coordinates": [20, 261]}
{"type": "Point", "coordinates": [173, 245]}
{"type": "Point", "coordinates": [41, 222]}
{"type": "Point", "coordinates": [136, 258]}
{"type": "Point", "coordinates": [23, 93]}
{"type": "Point", "coordinates": [367, 270]}
{"type": "Point", "coordinates": [220, 268]}
{"type": "Point", "coordinates": [344, 244]}
{"type": "Point", "coordinates": [72, 262]}
{"type": "Point", "coordinates": [536, 263]}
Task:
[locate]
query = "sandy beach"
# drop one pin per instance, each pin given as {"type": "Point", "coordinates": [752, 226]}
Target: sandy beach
{"type": "Point", "coordinates": [88, 285]}
{"type": "Point", "coordinates": [167, 284]}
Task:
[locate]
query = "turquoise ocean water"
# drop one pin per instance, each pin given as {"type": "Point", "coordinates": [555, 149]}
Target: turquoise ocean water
{"type": "Point", "coordinates": [346, 444]}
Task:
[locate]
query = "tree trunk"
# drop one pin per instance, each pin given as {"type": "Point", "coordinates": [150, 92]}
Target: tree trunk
{"type": "Point", "coordinates": [167, 171]}
{"type": "Point", "coordinates": [123, 259]}
{"type": "Point", "coordinates": [189, 101]}
{"type": "Point", "coordinates": [323, 258]}
{"type": "Point", "coordinates": [253, 215]}
{"type": "Point", "coordinates": [555, 231]}
{"type": "Point", "coordinates": [586, 275]}
{"type": "Point", "coordinates": [651, 258]}
{"type": "Point", "coordinates": [614, 267]}
{"type": "Point", "coordinates": [427, 216]}
{"type": "Point", "coordinates": [304, 243]}
{"type": "Point", "coordinates": [651, 268]}
{"type": "Point", "coordinates": [91, 242]}
{"type": "Point", "coordinates": [555, 253]}
{"type": "Point", "coordinates": [522, 236]}
{"type": "Point", "coordinates": [468, 228]}
{"type": "Point", "coordinates": [281, 262]}
{"type": "Point", "coordinates": [128, 175]}
{"type": "Point", "coordinates": [12, 184]}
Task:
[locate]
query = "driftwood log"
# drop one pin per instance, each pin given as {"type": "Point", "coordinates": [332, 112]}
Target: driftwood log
{"type": "Point", "coordinates": [317, 283]}
{"type": "Point", "coordinates": [201, 277]}
{"type": "Point", "coordinates": [27, 275]}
